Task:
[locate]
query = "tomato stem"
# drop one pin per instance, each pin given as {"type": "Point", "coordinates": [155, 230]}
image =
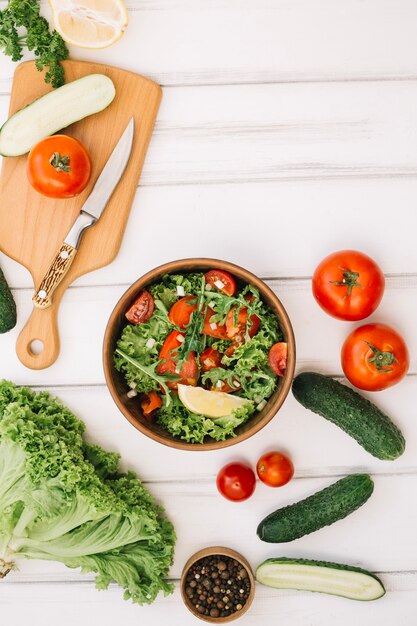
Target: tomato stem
{"type": "Point", "coordinates": [381, 360]}
{"type": "Point", "coordinates": [349, 280]}
{"type": "Point", "coordinates": [60, 162]}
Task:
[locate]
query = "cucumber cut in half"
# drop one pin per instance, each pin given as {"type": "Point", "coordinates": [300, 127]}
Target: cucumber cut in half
{"type": "Point", "coordinates": [332, 578]}
{"type": "Point", "coordinates": [54, 111]}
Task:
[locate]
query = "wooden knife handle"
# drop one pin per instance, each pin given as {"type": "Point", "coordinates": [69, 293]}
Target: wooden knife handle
{"type": "Point", "coordinates": [59, 267]}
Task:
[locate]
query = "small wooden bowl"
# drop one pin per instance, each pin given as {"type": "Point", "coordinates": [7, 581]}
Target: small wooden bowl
{"type": "Point", "coordinates": [130, 407]}
{"type": "Point", "coordinates": [220, 551]}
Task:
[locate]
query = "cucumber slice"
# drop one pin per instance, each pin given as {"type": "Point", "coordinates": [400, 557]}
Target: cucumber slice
{"type": "Point", "coordinates": [54, 111]}
{"type": "Point", "coordinates": [332, 578]}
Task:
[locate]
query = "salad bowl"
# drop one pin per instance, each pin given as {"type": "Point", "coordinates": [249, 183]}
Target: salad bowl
{"type": "Point", "coordinates": [129, 404]}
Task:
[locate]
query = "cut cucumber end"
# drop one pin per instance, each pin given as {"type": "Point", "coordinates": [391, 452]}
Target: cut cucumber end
{"type": "Point", "coordinates": [321, 577]}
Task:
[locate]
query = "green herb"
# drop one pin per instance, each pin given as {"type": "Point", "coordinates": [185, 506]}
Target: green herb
{"type": "Point", "coordinates": [194, 340]}
{"type": "Point", "coordinates": [64, 500]}
{"type": "Point", "coordinates": [220, 374]}
{"type": "Point", "coordinates": [49, 47]}
{"type": "Point", "coordinates": [150, 371]}
{"type": "Point", "coordinates": [166, 289]}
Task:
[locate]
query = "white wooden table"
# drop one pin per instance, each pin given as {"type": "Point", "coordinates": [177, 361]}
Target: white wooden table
{"type": "Point", "coordinates": [287, 130]}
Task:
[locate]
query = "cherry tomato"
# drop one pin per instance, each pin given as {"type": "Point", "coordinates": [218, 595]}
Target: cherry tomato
{"type": "Point", "coordinates": [374, 357]}
{"type": "Point", "coordinates": [212, 329]}
{"type": "Point", "coordinates": [59, 167]}
{"type": "Point", "coordinates": [275, 469]}
{"type": "Point", "coordinates": [141, 309]}
{"type": "Point", "coordinates": [209, 359]}
{"type": "Point", "coordinates": [236, 482]}
{"type": "Point", "coordinates": [180, 312]}
{"type": "Point", "coordinates": [277, 358]}
{"type": "Point", "coordinates": [189, 371]}
{"type": "Point", "coordinates": [235, 329]}
{"type": "Point", "coordinates": [348, 285]}
{"type": "Point", "coordinates": [225, 281]}
{"type": "Point", "coordinates": [151, 402]}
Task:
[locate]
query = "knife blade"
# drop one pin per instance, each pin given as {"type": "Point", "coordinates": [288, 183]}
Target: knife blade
{"type": "Point", "coordinates": [90, 213]}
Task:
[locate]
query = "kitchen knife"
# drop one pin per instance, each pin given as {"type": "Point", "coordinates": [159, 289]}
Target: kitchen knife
{"type": "Point", "coordinates": [90, 213]}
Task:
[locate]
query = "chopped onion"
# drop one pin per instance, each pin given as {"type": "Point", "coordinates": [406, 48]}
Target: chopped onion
{"type": "Point", "coordinates": [208, 362]}
{"type": "Point", "coordinates": [132, 385]}
{"type": "Point", "coordinates": [219, 384]}
{"type": "Point", "coordinates": [180, 338]}
{"type": "Point", "coordinates": [212, 304]}
{"type": "Point", "coordinates": [132, 393]}
{"type": "Point", "coordinates": [261, 405]}
{"type": "Point", "coordinates": [219, 284]}
{"type": "Point", "coordinates": [208, 287]}
{"type": "Point", "coordinates": [180, 290]}
{"type": "Point", "coordinates": [178, 370]}
{"type": "Point", "coordinates": [236, 383]}
{"type": "Point", "coordinates": [150, 343]}
{"type": "Point", "coordinates": [213, 326]}
{"type": "Point", "coordinates": [258, 399]}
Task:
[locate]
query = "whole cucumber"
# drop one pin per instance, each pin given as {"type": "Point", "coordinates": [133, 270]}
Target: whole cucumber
{"type": "Point", "coordinates": [321, 509]}
{"type": "Point", "coordinates": [7, 306]}
{"type": "Point", "coordinates": [353, 413]}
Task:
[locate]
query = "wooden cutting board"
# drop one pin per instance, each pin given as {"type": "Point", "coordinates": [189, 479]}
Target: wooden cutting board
{"type": "Point", "coordinates": [32, 227]}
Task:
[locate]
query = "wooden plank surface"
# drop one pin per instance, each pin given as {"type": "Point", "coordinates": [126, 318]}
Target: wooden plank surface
{"type": "Point", "coordinates": [287, 130]}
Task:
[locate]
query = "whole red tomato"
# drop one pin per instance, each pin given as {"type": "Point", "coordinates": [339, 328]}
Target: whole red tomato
{"type": "Point", "coordinates": [59, 167]}
{"type": "Point", "coordinates": [275, 469]}
{"type": "Point", "coordinates": [374, 357]}
{"type": "Point", "coordinates": [348, 285]}
{"type": "Point", "coordinates": [236, 482]}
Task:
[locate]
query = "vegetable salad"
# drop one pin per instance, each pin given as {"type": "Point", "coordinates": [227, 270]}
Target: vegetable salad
{"type": "Point", "coordinates": [200, 330]}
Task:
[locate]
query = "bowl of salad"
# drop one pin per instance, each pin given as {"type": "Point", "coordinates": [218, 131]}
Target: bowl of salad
{"type": "Point", "coordinates": [199, 354]}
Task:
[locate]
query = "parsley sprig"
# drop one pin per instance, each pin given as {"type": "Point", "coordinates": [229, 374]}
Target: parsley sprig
{"type": "Point", "coordinates": [49, 47]}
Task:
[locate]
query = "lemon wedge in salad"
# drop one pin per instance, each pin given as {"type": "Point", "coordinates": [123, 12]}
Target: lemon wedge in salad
{"type": "Point", "coordinates": [89, 23]}
{"type": "Point", "coordinates": [214, 404]}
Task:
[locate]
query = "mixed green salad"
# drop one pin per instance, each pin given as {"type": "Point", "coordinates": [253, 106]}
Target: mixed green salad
{"type": "Point", "coordinates": [202, 353]}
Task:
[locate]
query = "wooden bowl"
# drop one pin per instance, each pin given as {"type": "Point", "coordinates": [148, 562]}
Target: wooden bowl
{"type": "Point", "coordinates": [221, 551]}
{"type": "Point", "coordinates": [130, 407]}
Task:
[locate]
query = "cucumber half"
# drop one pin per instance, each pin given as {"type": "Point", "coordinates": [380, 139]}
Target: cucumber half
{"type": "Point", "coordinates": [54, 111]}
{"type": "Point", "coordinates": [332, 578]}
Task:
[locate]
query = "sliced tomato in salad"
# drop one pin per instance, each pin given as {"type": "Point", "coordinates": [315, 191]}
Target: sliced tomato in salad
{"type": "Point", "coordinates": [150, 403]}
{"type": "Point", "coordinates": [221, 280]}
{"type": "Point", "coordinates": [213, 329]}
{"type": "Point", "coordinates": [210, 358]}
{"type": "Point", "coordinates": [188, 373]}
{"type": "Point", "coordinates": [142, 308]}
{"type": "Point", "coordinates": [237, 327]}
{"type": "Point", "coordinates": [278, 358]}
{"type": "Point", "coordinates": [180, 312]}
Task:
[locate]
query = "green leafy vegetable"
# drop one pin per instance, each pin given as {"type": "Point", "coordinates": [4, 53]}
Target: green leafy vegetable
{"type": "Point", "coordinates": [64, 500]}
{"type": "Point", "coordinates": [149, 372]}
{"type": "Point", "coordinates": [193, 428]}
{"type": "Point", "coordinates": [166, 289]}
{"type": "Point", "coordinates": [49, 47]}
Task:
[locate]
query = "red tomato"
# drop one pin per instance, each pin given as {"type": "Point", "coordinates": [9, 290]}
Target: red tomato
{"type": "Point", "coordinates": [151, 402]}
{"type": "Point", "coordinates": [189, 371]}
{"type": "Point", "coordinates": [219, 331]}
{"type": "Point", "coordinates": [209, 359]}
{"type": "Point", "coordinates": [226, 282]}
{"type": "Point", "coordinates": [277, 358]}
{"type": "Point", "coordinates": [235, 329]}
{"type": "Point", "coordinates": [275, 469]}
{"type": "Point", "coordinates": [59, 167]}
{"type": "Point", "coordinates": [236, 482]}
{"type": "Point", "coordinates": [141, 309]}
{"type": "Point", "coordinates": [348, 285]}
{"type": "Point", "coordinates": [180, 312]}
{"type": "Point", "coordinates": [374, 357]}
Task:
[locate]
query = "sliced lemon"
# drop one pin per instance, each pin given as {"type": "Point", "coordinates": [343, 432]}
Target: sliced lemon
{"type": "Point", "coordinates": [213, 404]}
{"type": "Point", "coordinates": [89, 23]}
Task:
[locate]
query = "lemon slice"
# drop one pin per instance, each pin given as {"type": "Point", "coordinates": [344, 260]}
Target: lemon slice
{"type": "Point", "coordinates": [89, 23]}
{"type": "Point", "coordinates": [212, 404]}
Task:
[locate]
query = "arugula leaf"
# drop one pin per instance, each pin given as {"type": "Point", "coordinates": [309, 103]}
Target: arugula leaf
{"type": "Point", "coordinates": [49, 47]}
{"type": "Point", "coordinates": [220, 374]}
{"type": "Point", "coordinates": [150, 370]}
{"type": "Point", "coordinates": [194, 340]}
